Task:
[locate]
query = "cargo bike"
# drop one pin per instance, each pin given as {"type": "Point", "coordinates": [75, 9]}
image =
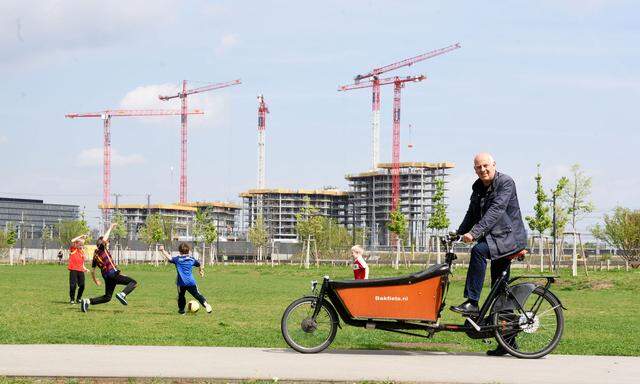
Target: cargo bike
{"type": "Point", "coordinates": [524, 316]}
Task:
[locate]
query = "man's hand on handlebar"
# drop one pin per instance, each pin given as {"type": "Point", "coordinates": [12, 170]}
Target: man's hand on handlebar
{"type": "Point", "coordinates": [467, 238]}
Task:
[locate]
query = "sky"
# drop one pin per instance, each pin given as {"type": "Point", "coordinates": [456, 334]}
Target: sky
{"type": "Point", "coordinates": [550, 82]}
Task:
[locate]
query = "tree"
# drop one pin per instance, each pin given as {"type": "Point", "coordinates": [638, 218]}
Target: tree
{"type": "Point", "coordinates": [153, 231]}
{"type": "Point", "coordinates": [541, 221]}
{"type": "Point", "coordinates": [576, 199]}
{"type": "Point", "coordinates": [120, 231]}
{"type": "Point", "coordinates": [7, 240]}
{"type": "Point", "coordinates": [258, 235]}
{"type": "Point", "coordinates": [622, 230]}
{"type": "Point", "coordinates": [68, 229]}
{"type": "Point", "coordinates": [438, 220]}
{"type": "Point", "coordinates": [561, 217]}
{"type": "Point", "coordinates": [397, 225]}
{"type": "Point", "coordinates": [204, 229]}
{"type": "Point", "coordinates": [308, 226]}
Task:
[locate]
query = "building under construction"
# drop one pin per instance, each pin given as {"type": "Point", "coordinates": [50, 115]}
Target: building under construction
{"type": "Point", "coordinates": [367, 204]}
{"type": "Point", "coordinates": [280, 206]}
{"type": "Point", "coordinates": [179, 218]}
{"type": "Point", "coordinates": [224, 215]}
{"type": "Point", "coordinates": [370, 195]}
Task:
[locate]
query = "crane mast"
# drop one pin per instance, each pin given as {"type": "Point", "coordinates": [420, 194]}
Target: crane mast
{"type": "Point", "coordinates": [106, 116]}
{"type": "Point", "coordinates": [184, 127]}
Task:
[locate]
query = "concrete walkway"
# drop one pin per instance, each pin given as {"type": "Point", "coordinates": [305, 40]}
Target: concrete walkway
{"type": "Point", "coordinates": [331, 365]}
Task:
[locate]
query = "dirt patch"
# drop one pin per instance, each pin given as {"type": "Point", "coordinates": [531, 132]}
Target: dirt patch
{"type": "Point", "coordinates": [600, 285]}
{"type": "Point", "coordinates": [593, 285]}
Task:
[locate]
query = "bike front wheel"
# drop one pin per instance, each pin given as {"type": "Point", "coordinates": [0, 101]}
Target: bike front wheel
{"type": "Point", "coordinates": [305, 334]}
{"type": "Point", "coordinates": [533, 331]}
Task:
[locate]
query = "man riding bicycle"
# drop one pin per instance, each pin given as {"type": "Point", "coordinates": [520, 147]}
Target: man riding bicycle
{"type": "Point", "coordinates": [494, 221]}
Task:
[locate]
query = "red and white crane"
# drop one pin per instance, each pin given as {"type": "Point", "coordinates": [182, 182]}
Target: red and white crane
{"type": "Point", "coordinates": [183, 126]}
{"type": "Point", "coordinates": [398, 84]}
{"type": "Point", "coordinates": [262, 125]}
{"type": "Point", "coordinates": [106, 116]}
{"type": "Point", "coordinates": [375, 86]}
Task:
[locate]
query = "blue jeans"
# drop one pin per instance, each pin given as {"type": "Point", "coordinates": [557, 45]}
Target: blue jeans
{"type": "Point", "coordinates": [477, 268]}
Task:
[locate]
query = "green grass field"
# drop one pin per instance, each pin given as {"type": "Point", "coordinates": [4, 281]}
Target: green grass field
{"type": "Point", "coordinates": [603, 316]}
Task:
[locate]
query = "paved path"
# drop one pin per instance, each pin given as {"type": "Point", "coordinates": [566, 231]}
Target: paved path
{"type": "Point", "coordinates": [343, 365]}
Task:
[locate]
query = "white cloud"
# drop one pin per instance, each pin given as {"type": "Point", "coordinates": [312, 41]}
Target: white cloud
{"type": "Point", "coordinates": [214, 105]}
{"type": "Point", "coordinates": [226, 42]}
{"type": "Point", "coordinates": [93, 156]}
{"type": "Point", "coordinates": [34, 31]}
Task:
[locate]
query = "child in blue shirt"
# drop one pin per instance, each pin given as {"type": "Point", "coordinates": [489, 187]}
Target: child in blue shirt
{"type": "Point", "coordinates": [185, 281]}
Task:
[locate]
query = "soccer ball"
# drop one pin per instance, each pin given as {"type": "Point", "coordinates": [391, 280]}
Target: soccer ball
{"type": "Point", "coordinates": [193, 306]}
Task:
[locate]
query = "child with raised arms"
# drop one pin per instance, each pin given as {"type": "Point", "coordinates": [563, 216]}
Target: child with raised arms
{"type": "Point", "coordinates": [185, 282]}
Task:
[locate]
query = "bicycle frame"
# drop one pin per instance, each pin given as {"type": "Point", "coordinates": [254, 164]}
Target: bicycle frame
{"type": "Point", "coordinates": [502, 295]}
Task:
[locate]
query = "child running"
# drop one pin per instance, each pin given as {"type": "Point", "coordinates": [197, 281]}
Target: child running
{"type": "Point", "coordinates": [110, 273]}
{"type": "Point", "coordinates": [76, 268]}
{"type": "Point", "coordinates": [185, 281]}
{"type": "Point", "coordinates": [360, 267]}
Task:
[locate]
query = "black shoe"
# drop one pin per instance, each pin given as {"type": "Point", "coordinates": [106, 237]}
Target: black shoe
{"type": "Point", "coordinates": [499, 351]}
{"type": "Point", "coordinates": [466, 308]}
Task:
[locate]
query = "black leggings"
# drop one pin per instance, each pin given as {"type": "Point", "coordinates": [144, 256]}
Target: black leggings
{"type": "Point", "coordinates": [193, 290]}
{"type": "Point", "coordinates": [110, 285]}
{"type": "Point", "coordinates": [76, 279]}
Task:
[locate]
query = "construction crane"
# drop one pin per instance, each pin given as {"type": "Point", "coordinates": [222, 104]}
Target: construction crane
{"type": "Point", "coordinates": [183, 126]}
{"type": "Point", "coordinates": [106, 116]}
{"type": "Point", "coordinates": [262, 124]}
{"type": "Point", "coordinates": [375, 86]}
{"type": "Point", "coordinates": [398, 84]}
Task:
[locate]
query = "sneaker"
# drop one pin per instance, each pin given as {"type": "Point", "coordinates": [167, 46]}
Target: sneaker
{"type": "Point", "coordinates": [207, 307]}
{"type": "Point", "coordinates": [73, 302]}
{"type": "Point", "coordinates": [84, 305]}
{"type": "Point", "coordinates": [121, 298]}
{"type": "Point", "coordinates": [181, 312]}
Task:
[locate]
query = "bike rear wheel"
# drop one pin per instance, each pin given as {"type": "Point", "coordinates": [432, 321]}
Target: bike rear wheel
{"type": "Point", "coordinates": [305, 334]}
{"type": "Point", "coordinates": [535, 330]}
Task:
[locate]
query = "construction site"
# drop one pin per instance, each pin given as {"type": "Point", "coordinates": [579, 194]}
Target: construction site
{"type": "Point", "coordinates": [367, 203]}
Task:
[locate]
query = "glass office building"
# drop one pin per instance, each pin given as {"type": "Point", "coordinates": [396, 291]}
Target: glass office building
{"type": "Point", "coordinates": [29, 217]}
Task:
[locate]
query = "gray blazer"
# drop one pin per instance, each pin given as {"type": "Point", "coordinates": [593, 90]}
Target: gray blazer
{"type": "Point", "coordinates": [496, 217]}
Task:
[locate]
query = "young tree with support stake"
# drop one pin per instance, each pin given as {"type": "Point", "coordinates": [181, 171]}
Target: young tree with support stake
{"type": "Point", "coordinates": [258, 235]}
{"type": "Point", "coordinates": [308, 227]}
{"type": "Point", "coordinates": [119, 232]}
{"type": "Point", "coordinates": [576, 198]}
{"type": "Point", "coordinates": [622, 230]}
{"type": "Point", "coordinates": [204, 229]}
{"type": "Point", "coordinates": [541, 221]}
{"type": "Point", "coordinates": [398, 225]}
{"type": "Point", "coordinates": [153, 232]}
{"type": "Point", "coordinates": [560, 218]}
{"type": "Point", "coordinates": [438, 220]}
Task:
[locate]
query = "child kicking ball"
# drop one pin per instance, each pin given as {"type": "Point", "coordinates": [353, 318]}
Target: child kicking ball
{"type": "Point", "coordinates": [185, 281]}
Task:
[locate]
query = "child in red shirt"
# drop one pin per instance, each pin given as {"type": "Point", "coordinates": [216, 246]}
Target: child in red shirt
{"type": "Point", "coordinates": [76, 268]}
{"type": "Point", "coordinates": [360, 267]}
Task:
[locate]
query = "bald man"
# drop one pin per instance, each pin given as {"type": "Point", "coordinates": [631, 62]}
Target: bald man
{"type": "Point", "coordinates": [494, 222]}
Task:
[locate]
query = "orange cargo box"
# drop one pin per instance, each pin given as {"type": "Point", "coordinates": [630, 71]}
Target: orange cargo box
{"type": "Point", "coordinates": [413, 297]}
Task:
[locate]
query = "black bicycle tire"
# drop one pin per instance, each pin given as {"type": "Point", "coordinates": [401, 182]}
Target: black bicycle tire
{"type": "Point", "coordinates": [556, 338]}
{"type": "Point", "coordinates": [319, 348]}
